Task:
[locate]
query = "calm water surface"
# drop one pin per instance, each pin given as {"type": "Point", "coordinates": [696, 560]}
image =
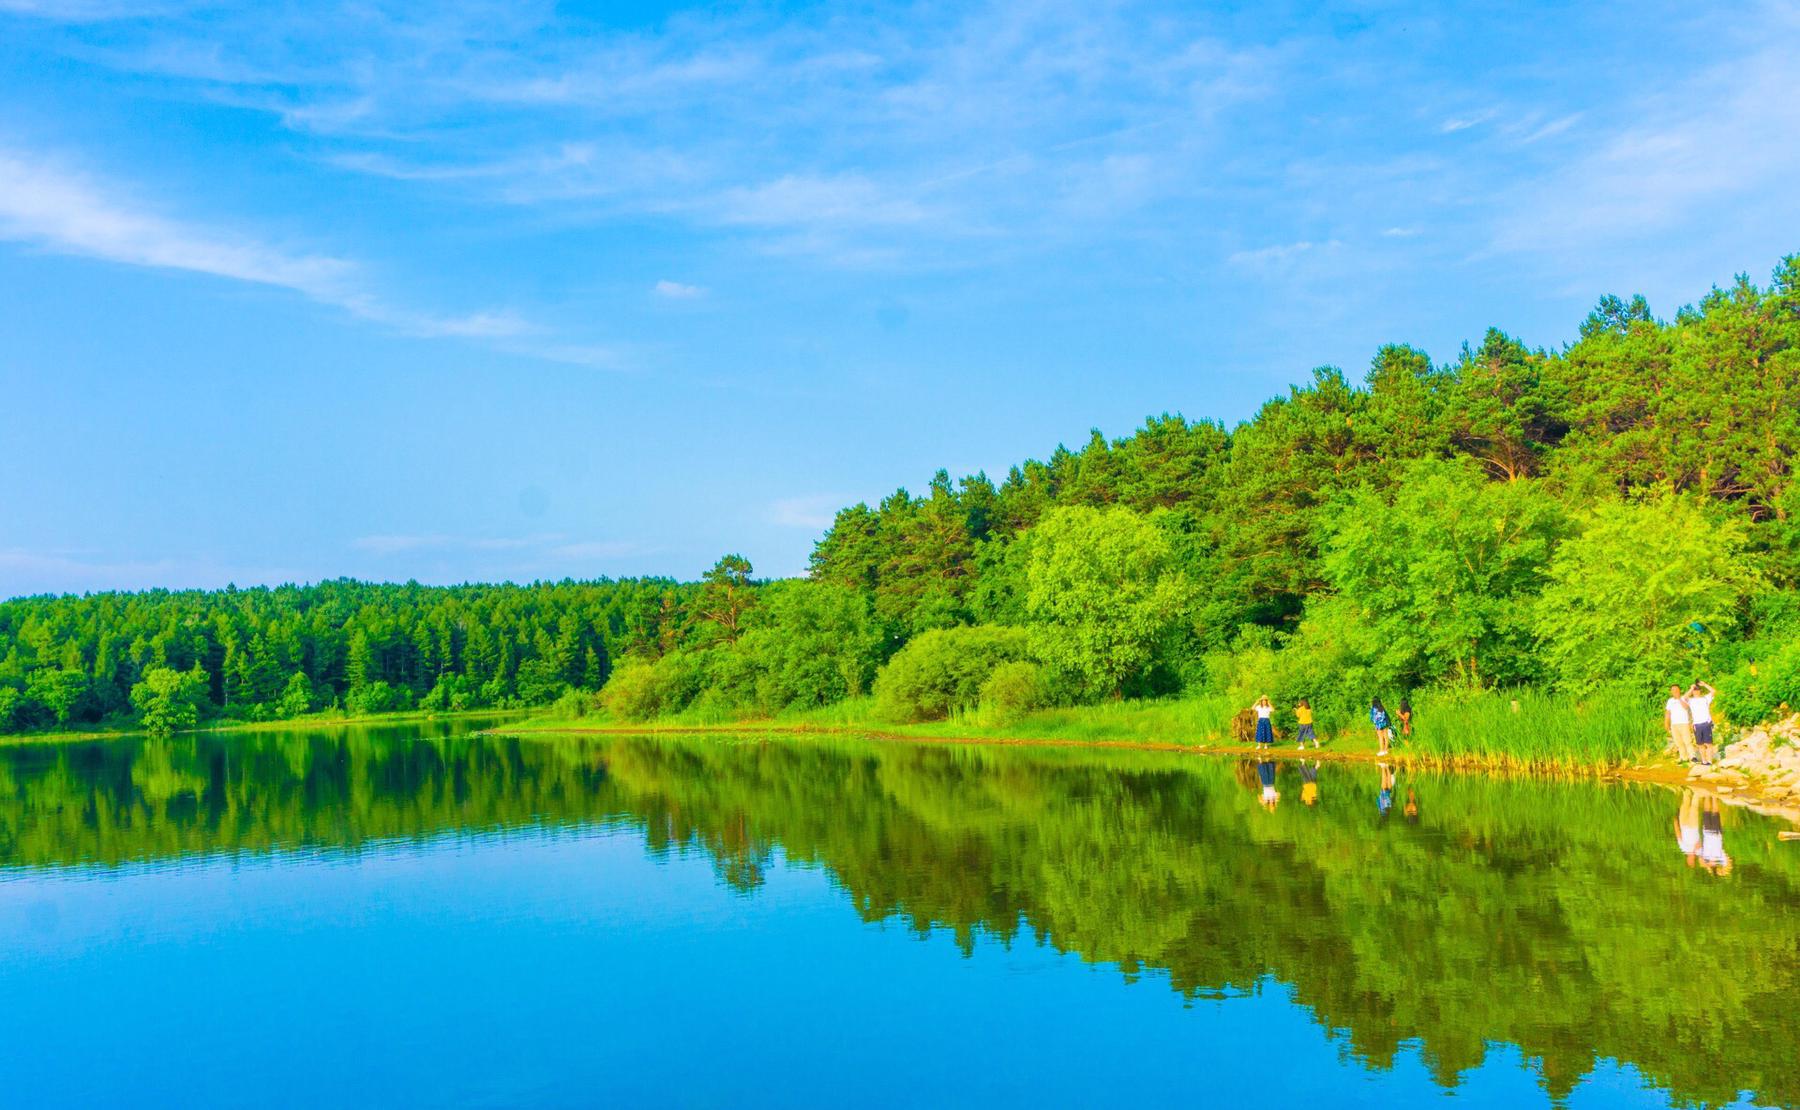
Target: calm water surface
{"type": "Point", "coordinates": [416, 915]}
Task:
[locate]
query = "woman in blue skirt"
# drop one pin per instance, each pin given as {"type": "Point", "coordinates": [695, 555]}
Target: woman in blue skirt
{"type": "Point", "coordinates": [1265, 725]}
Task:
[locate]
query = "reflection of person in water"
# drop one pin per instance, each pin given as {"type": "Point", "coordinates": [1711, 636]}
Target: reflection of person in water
{"type": "Point", "coordinates": [1384, 801]}
{"type": "Point", "coordinates": [1309, 782]}
{"type": "Point", "coordinates": [1687, 827]}
{"type": "Point", "coordinates": [1712, 838]}
{"type": "Point", "coordinates": [1265, 773]}
{"type": "Point", "coordinates": [1411, 809]}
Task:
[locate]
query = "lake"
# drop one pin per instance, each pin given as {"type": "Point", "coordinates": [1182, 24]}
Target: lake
{"type": "Point", "coordinates": [418, 915]}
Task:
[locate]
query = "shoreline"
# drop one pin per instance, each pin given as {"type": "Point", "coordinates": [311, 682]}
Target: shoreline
{"type": "Point", "coordinates": [16, 739]}
{"type": "Point", "coordinates": [1741, 793]}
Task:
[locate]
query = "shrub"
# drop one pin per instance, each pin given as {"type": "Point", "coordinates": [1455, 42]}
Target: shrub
{"type": "Point", "coordinates": [1013, 689]}
{"type": "Point", "coordinates": [378, 697]}
{"type": "Point", "coordinates": [1760, 688]}
{"type": "Point", "coordinates": [640, 689]}
{"type": "Point", "coordinates": [575, 704]}
{"type": "Point", "coordinates": [942, 671]}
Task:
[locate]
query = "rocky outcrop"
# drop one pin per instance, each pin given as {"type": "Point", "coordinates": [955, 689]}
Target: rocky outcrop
{"type": "Point", "coordinates": [1762, 764]}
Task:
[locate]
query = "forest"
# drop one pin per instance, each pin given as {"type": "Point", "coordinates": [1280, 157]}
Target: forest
{"type": "Point", "coordinates": [1594, 522]}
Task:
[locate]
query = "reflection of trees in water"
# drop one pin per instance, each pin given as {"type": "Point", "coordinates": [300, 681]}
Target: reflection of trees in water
{"type": "Point", "coordinates": [1556, 918]}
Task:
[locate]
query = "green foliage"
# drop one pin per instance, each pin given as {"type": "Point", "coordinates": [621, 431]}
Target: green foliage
{"type": "Point", "coordinates": [1472, 525]}
{"type": "Point", "coordinates": [942, 671]}
{"type": "Point", "coordinates": [169, 700]}
{"type": "Point", "coordinates": [1643, 592]}
{"type": "Point", "coordinates": [1103, 594]}
{"type": "Point", "coordinates": [641, 689]}
{"type": "Point", "coordinates": [1529, 728]}
{"type": "Point", "coordinates": [296, 697]}
{"type": "Point", "coordinates": [378, 697]}
{"type": "Point", "coordinates": [1012, 690]}
{"type": "Point", "coordinates": [812, 643]}
{"type": "Point", "coordinates": [58, 691]}
{"type": "Point", "coordinates": [1443, 568]}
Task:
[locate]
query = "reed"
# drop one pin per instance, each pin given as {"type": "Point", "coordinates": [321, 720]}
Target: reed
{"type": "Point", "coordinates": [1529, 728]}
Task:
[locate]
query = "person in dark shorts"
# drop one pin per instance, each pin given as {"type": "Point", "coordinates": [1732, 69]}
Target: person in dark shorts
{"type": "Point", "coordinates": [1699, 702]}
{"type": "Point", "coordinates": [1378, 717]}
{"type": "Point", "coordinates": [1405, 718]}
{"type": "Point", "coordinates": [1304, 718]}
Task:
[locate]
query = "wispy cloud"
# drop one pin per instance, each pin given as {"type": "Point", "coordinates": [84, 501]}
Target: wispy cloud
{"type": "Point", "coordinates": [542, 545]}
{"type": "Point", "coordinates": [25, 572]}
{"type": "Point", "coordinates": [813, 511]}
{"type": "Point", "coordinates": [1278, 254]}
{"type": "Point", "coordinates": [1463, 123]}
{"type": "Point", "coordinates": [677, 291]}
{"type": "Point", "coordinates": [1726, 133]}
{"type": "Point", "coordinates": [75, 213]}
{"type": "Point", "coordinates": [396, 544]}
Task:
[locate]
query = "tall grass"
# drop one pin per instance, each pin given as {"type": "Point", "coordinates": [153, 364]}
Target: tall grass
{"type": "Point", "coordinates": [1523, 729]}
{"type": "Point", "coordinates": [1527, 728]}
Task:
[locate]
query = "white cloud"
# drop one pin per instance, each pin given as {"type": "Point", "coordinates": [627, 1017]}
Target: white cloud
{"type": "Point", "coordinates": [70, 212]}
{"type": "Point", "coordinates": [814, 511]}
{"type": "Point", "coordinates": [1463, 123]}
{"type": "Point", "coordinates": [24, 572]}
{"type": "Point", "coordinates": [438, 541]}
{"type": "Point", "coordinates": [533, 549]}
{"type": "Point", "coordinates": [1277, 254]}
{"type": "Point", "coordinates": [679, 291]}
{"type": "Point", "coordinates": [1729, 134]}
{"type": "Point", "coordinates": [595, 549]}
{"type": "Point", "coordinates": [87, 11]}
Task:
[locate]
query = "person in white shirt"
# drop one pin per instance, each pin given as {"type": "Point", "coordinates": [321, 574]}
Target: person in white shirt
{"type": "Point", "coordinates": [1687, 827]}
{"type": "Point", "coordinates": [1679, 725]}
{"type": "Point", "coordinates": [1699, 703]}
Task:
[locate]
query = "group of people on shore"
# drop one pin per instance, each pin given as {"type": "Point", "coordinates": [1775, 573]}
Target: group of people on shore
{"type": "Point", "coordinates": [1303, 718]}
{"type": "Point", "coordinates": [1688, 717]}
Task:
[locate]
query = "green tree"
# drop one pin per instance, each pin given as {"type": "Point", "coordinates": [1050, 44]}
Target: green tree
{"type": "Point", "coordinates": [1444, 568]}
{"type": "Point", "coordinates": [1643, 591]}
{"type": "Point", "coordinates": [58, 691]}
{"type": "Point", "coordinates": [1103, 593]}
{"type": "Point", "coordinates": [296, 697]}
{"type": "Point", "coordinates": [168, 700]}
{"type": "Point", "coordinates": [726, 595]}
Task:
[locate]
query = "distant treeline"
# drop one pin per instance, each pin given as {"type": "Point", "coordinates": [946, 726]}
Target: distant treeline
{"type": "Point", "coordinates": [1617, 514]}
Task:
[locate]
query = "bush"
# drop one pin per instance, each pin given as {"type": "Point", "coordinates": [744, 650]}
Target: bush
{"type": "Point", "coordinates": [942, 671]}
{"type": "Point", "coordinates": [1762, 688]}
{"type": "Point", "coordinates": [378, 697]}
{"type": "Point", "coordinates": [575, 704]}
{"type": "Point", "coordinates": [640, 689]}
{"type": "Point", "coordinates": [1013, 689]}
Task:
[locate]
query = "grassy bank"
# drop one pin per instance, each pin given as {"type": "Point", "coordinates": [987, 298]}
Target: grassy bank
{"type": "Point", "coordinates": [1524, 730]}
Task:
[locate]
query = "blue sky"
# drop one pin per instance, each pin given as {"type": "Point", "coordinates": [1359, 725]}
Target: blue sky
{"type": "Point", "coordinates": [518, 290]}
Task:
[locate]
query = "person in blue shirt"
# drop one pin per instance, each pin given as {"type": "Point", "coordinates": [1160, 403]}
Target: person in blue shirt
{"type": "Point", "coordinates": [1384, 733]}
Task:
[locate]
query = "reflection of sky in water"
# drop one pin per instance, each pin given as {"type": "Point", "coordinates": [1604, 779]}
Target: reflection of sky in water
{"type": "Point", "coordinates": [573, 968]}
{"type": "Point", "coordinates": [588, 948]}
